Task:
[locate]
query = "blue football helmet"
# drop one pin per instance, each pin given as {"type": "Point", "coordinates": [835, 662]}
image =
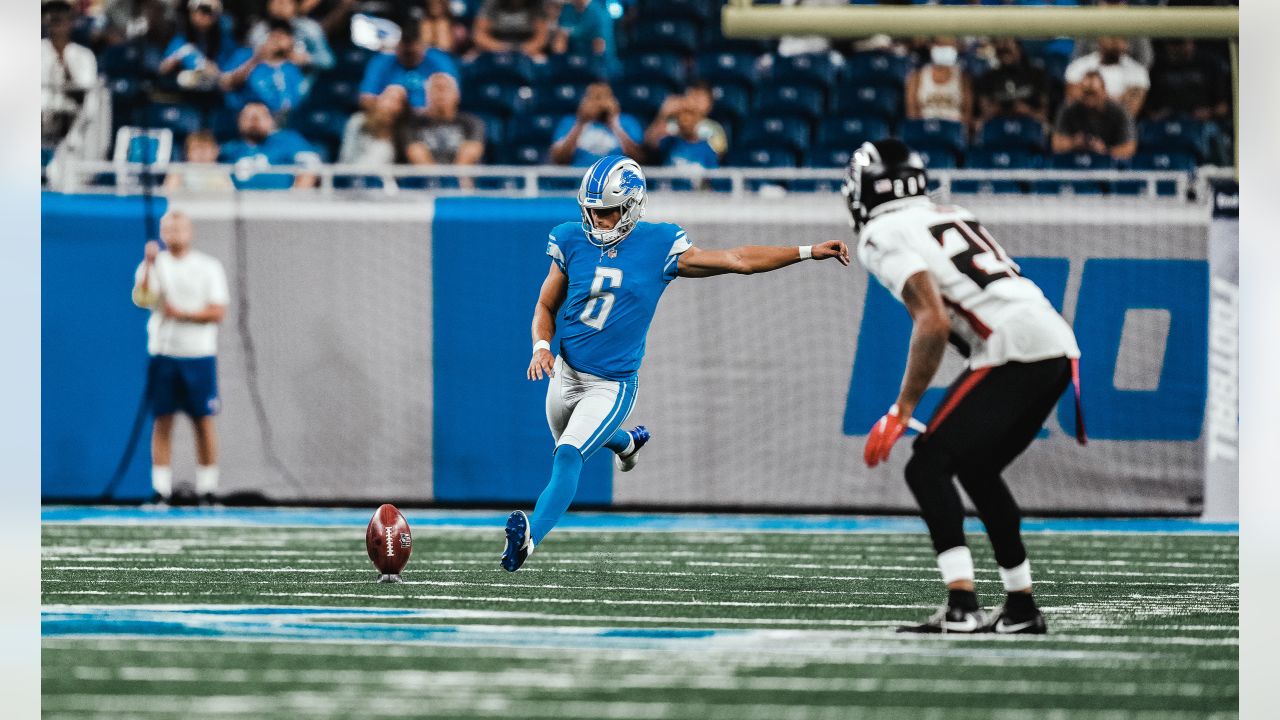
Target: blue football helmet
{"type": "Point", "coordinates": [614, 181]}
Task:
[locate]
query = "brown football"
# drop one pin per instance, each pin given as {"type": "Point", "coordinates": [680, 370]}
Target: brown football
{"type": "Point", "coordinates": [388, 540]}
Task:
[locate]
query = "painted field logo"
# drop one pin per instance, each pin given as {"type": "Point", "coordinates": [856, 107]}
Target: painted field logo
{"type": "Point", "coordinates": [391, 550]}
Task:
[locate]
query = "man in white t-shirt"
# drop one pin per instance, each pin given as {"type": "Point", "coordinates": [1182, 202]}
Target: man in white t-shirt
{"type": "Point", "coordinates": [1127, 80]}
{"type": "Point", "coordinates": [959, 285]}
{"type": "Point", "coordinates": [186, 291]}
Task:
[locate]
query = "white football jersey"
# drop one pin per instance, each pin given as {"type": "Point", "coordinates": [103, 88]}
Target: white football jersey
{"type": "Point", "coordinates": [996, 314]}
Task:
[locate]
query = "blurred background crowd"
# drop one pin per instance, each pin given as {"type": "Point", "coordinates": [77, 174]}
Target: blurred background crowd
{"type": "Point", "coordinates": [255, 83]}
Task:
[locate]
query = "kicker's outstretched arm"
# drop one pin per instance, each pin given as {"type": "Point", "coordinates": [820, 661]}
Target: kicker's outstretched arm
{"type": "Point", "coordinates": [750, 259]}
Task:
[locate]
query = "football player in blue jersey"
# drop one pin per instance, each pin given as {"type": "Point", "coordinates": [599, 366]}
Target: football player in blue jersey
{"type": "Point", "coordinates": [602, 293]}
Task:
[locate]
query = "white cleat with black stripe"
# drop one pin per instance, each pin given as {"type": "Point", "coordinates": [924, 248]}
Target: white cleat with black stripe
{"type": "Point", "coordinates": [1002, 624]}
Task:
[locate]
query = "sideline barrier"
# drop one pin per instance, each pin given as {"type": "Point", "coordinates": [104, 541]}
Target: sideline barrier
{"type": "Point", "coordinates": [391, 340]}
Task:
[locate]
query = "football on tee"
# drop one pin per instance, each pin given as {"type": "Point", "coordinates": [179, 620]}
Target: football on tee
{"type": "Point", "coordinates": [389, 542]}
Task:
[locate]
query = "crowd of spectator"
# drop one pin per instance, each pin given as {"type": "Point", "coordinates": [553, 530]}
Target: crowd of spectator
{"type": "Point", "coordinates": [256, 83]}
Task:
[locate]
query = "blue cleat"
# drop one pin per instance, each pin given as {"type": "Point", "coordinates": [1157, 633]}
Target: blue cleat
{"type": "Point", "coordinates": [519, 542]}
{"type": "Point", "coordinates": [626, 461]}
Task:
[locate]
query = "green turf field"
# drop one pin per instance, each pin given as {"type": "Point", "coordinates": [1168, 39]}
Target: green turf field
{"type": "Point", "coordinates": [604, 624]}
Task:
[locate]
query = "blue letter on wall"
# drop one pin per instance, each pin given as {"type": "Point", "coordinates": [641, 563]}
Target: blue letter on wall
{"type": "Point", "coordinates": [1174, 410]}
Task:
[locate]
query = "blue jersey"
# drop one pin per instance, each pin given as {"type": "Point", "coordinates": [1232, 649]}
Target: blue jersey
{"type": "Point", "coordinates": [612, 294]}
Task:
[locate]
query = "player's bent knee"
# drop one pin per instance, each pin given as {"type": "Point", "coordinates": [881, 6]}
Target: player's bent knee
{"type": "Point", "coordinates": [925, 469]}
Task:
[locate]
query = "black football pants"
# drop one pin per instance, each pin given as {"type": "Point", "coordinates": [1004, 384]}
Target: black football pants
{"type": "Point", "coordinates": [987, 418]}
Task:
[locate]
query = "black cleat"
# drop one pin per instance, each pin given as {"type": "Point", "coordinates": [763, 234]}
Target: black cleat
{"type": "Point", "coordinates": [519, 541]}
{"type": "Point", "coordinates": [950, 620]}
{"type": "Point", "coordinates": [1002, 624]}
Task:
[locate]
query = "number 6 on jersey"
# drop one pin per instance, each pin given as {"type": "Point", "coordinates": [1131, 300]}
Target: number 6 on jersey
{"type": "Point", "coordinates": [601, 301]}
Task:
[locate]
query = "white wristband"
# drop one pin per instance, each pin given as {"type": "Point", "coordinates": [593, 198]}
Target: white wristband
{"type": "Point", "coordinates": [806, 252]}
{"type": "Point", "coordinates": [542, 345]}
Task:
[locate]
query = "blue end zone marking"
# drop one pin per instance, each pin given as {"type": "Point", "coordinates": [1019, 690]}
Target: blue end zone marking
{"type": "Point", "coordinates": [313, 517]}
{"type": "Point", "coordinates": [311, 624]}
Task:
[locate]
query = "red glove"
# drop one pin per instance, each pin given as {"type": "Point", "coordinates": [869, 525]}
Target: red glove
{"type": "Point", "coordinates": [883, 435]}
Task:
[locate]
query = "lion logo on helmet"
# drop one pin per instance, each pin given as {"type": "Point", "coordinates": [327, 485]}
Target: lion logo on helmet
{"type": "Point", "coordinates": [630, 181]}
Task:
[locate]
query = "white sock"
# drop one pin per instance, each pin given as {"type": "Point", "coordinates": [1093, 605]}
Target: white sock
{"type": "Point", "coordinates": [206, 479]}
{"type": "Point", "coordinates": [162, 480]}
{"type": "Point", "coordinates": [1017, 578]}
{"type": "Point", "coordinates": [956, 564]}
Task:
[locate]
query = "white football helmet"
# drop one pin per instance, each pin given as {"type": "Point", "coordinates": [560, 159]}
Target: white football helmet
{"type": "Point", "coordinates": [613, 181]}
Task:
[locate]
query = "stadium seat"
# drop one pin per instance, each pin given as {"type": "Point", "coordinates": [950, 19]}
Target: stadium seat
{"type": "Point", "coordinates": [730, 103]}
{"type": "Point", "coordinates": [223, 123]}
{"type": "Point", "coordinates": [868, 101]}
{"type": "Point", "coordinates": [790, 100]}
{"type": "Point", "coordinates": [758, 157]}
{"type": "Point", "coordinates": [727, 67]}
{"type": "Point", "coordinates": [982, 159]}
{"type": "Point", "coordinates": [496, 98]}
{"type": "Point", "coordinates": [334, 95]}
{"type": "Point", "coordinates": [127, 95]}
{"type": "Point", "coordinates": [532, 129]}
{"type": "Point", "coordinates": [182, 120]}
{"type": "Point", "coordinates": [559, 99]}
{"type": "Point", "coordinates": [679, 36]}
{"type": "Point", "coordinates": [1076, 161]}
{"type": "Point", "coordinates": [935, 134]}
{"type": "Point", "coordinates": [573, 68]}
{"type": "Point", "coordinates": [1159, 161]}
{"type": "Point", "coordinates": [1013, 134]}
{"type": "Point", "coordinates": [1176, 135]}
{"type": "Point", "coordinates": [642, 100]}
{"type": "Point", "coordinates": [522, 154]}
{"type": "Point", "coordinates": [321, 127]}
{"type": "Point", "coordinates": [697, 11]}
{"type": "Point", "coordinates": [122, 60]}
{"type": "Point", "coordinates": [851, 132]}
{"type": "Point", "coordinates": [813, 69]}
{"type": "Point", "coordinates": [653, 67]}
{"type": "Point", "coordinates": [937, 157]}
{"type": "Point", "coordinates": [495, 129]}
{"type": "Point", "coordinates": [880, 69]}
{"type": "Point", "coordinates": [143, 145]}
{"type": "Point", "coordinates": [510, 68]}
{"type": "Point", "coordinates": [824, 156]}
{"type": "Point", "coordinates": [787, 132]}
{"type": "Point", "coordinates": [349, 63]}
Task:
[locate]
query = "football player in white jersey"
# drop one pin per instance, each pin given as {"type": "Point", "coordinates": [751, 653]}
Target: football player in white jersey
{"type": "Point", "coordinates": [960, 286]}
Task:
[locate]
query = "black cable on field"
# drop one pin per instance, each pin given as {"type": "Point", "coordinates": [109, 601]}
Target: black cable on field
{"type": "Point", "coordinates": [150, 232]}
{"type": "Point", "coordinates": [241, 253]}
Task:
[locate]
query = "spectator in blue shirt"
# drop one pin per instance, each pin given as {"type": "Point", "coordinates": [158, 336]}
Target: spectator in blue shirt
{"type": "Point", "coordinates": [202, 47]}
{"type": "Point", "coordinates": [260, 145]}
{"type": "Point", "coordinates": [585, 28]}
{"type": "Point", "coordinates": [686, 147]}
{"type": "Point", "coordinates": [311, 50]}
{"type": "Point", "coordinates": [267, 75]}
{"type": "Point", "coordinates": [409, 67]}
{"type": "Point", "coordinates": [600, 128]}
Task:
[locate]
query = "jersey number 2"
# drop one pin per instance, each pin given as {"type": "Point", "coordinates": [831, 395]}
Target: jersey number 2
{"type": "Point", "coordinates": [974, 252]}
{"type": "Point", "coordinates": [601, 301]}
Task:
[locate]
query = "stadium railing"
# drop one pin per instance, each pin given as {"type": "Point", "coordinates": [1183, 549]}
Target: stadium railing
{"type": "Point", "coordinates": [105, 176]}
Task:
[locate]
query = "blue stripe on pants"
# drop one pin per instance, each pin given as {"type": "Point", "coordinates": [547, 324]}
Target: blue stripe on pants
{"type": "Point", "coordinates": [617, 415]}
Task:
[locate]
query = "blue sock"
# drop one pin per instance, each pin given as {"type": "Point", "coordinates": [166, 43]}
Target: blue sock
{"type": "Point", "coordinates": [619, 442]}
{"type": "Point", "coordinates": [566, 466]}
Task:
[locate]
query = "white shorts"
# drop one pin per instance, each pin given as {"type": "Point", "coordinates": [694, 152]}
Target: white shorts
{"type": "Point", "coordinates": [584, 410]}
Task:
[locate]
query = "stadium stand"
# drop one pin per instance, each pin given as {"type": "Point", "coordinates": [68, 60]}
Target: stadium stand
{"type": "Point", "coordinates": [776, 110]}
